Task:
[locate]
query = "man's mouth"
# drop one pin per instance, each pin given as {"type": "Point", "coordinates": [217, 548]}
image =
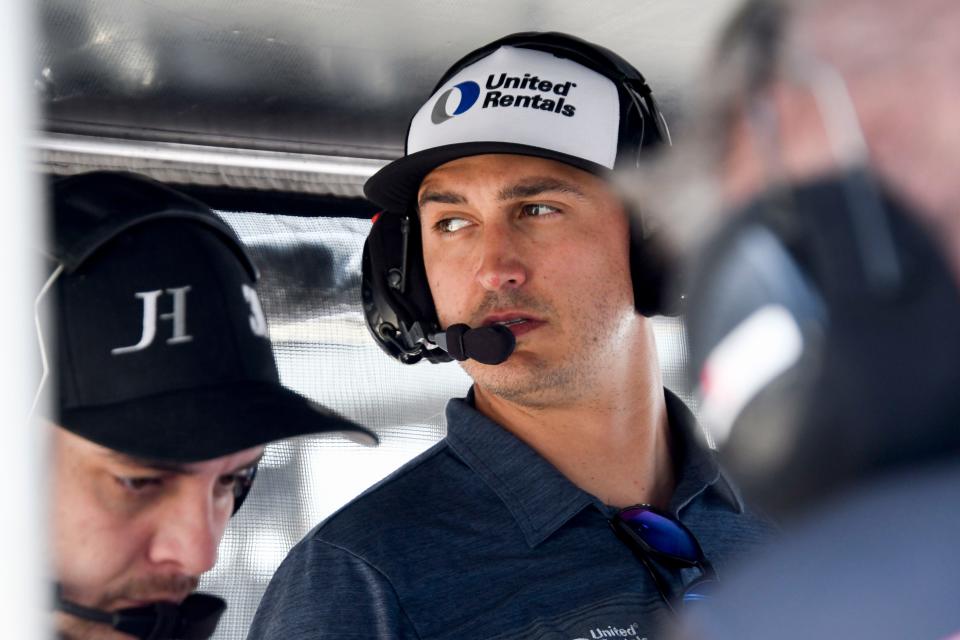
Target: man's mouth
{"type": "Point", "coordinates": [129, 603]}
{"type": "Point", "coordinates": [517, 324]}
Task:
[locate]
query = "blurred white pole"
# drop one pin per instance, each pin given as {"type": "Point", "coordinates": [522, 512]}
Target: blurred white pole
{"type": "Point", "coordinates": [23, 490]}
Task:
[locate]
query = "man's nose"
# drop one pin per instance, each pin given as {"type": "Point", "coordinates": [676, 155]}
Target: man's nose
{"type": "Point", "coordinates": [501, 264]}
{"type": "Point", "coordinates": [189, 533]}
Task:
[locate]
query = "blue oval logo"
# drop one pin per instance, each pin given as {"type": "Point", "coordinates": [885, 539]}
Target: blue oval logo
{"type": "Point", "coordinates": [454, 101]}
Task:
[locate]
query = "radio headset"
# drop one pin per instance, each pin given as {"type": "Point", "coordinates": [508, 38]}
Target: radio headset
{"type": "Point", "coordinates": [397, 303]}
{"type": "Point", "coordinates": [841, 265]}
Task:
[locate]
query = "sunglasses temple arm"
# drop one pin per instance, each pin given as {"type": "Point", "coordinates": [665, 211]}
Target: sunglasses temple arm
{"type": "Point", "coordinates": [708, 570]}
{"type": "Point", "coordinates": [634, 547]}
{"type": "Point", "coordinates": [662, 587]}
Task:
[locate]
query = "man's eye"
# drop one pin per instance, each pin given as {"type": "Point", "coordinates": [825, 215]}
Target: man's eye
{"type": "Point", "coordinates": [237, 482]}
{"type": "Point", "coordinates": [138, 484]}
{"type": "Point", "coordinates": [229, 483]}
{"type": "Point", "coordinates": [538, 209]}
{"type": "Point", "coordinates": [451, 225]}
{"type": "Point", "coordinates": [231, 480]}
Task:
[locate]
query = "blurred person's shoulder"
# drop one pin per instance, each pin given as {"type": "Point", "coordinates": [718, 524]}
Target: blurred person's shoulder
{"type": "Point", "coordinates": [877, 562]}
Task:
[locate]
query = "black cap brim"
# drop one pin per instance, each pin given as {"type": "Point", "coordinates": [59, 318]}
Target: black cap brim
{"type": "Point", "coordinates": [201, 424]}
{"type": "Point", "coordinates": [394, 187]}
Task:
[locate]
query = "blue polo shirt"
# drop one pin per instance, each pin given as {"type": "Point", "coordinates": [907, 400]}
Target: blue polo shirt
{"type": "Point", "coordinates": [481, 537]}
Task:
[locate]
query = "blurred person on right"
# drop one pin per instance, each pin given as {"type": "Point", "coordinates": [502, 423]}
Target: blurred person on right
{"type": "Point", "coordinates": [823, 312]}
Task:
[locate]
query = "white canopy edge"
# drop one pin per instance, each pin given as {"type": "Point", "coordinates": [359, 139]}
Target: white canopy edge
{"type": "Point", "coordinates": [66, 154]}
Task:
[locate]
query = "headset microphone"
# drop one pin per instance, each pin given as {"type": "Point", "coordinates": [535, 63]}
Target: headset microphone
{"type": "Point", "coordinates": [195, 618]}
{"type": "Point", "coordinates": [486, 345]}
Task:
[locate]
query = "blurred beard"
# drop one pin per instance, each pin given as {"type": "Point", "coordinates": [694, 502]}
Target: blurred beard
{"type": "Point", "coordinates": [73, 628]}
{"type": "Point", "coordinates": [155, 588]}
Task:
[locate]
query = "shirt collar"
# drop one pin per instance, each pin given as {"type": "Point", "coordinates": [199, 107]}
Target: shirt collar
{"type": "Point", "coordinates": [539, 497]}
{"type": "Point", "coordinates": [694, 460]}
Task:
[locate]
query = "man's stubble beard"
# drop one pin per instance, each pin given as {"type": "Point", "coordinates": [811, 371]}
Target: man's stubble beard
{"type": "Point", "coordinates": [533, 384]}
{"type": "Point", "coordinates": [531, 381]}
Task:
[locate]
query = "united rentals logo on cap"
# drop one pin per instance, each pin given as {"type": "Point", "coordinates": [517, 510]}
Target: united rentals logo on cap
{"type": "Point", "coordinates": [535, 101]}
{"type": "Point", "coordinates": [530, 92]}
{"type": "Point", "coordinates": [515, 100]}
{"type": "Point", "coordinates": [523, 97]}
{"type": "Point", "coordinates": [455, 101]}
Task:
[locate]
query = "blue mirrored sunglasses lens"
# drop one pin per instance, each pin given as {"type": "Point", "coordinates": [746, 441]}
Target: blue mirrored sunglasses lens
{"type": "Point", "coordinates": [661, 533]}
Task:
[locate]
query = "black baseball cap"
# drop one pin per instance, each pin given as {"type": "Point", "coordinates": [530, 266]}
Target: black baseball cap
{"type": "Point", "coordinates": [162, 348]}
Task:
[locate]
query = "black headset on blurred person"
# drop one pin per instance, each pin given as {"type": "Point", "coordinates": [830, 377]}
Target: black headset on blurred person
{"type": "Point", "coordinates": [397, 303]}
{"type": "Point", "coordinates": [822, 323]}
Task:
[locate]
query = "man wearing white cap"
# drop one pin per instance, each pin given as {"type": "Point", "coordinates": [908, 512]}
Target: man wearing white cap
{"type": "Point", "coordinates": [573, 496]}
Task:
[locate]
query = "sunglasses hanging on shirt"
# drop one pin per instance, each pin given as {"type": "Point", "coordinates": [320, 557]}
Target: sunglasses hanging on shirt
{"type": "Point", "coordinates": [660, 542]}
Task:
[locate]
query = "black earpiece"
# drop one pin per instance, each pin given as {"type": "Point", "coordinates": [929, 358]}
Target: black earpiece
{"type": "Point", "coordinates": [397, 303]}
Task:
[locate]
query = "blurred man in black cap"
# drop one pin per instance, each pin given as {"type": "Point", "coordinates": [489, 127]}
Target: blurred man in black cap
{"type": "Point", "coordinates": [165, 392]}
{"type": "Point", "coordinates": [823, 314]}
